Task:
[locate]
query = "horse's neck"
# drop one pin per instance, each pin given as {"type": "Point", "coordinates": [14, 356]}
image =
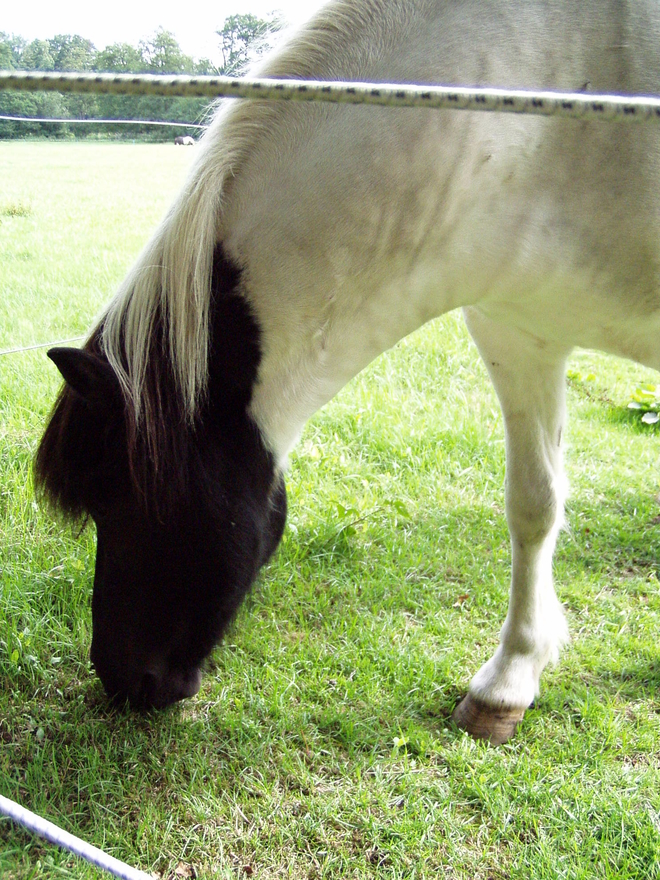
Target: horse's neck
{"type": "Point", "coordinates": [333, 212]}
{"type": "Point", "coordinates": [281, 206]}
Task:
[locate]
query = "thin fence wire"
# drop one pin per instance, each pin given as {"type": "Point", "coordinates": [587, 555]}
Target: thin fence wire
{"type": "Point", "coordinates": [41, 345]}
{"type": "Point", "coordinates": [101, 121]}
{"type": "Point", "coordinates": [68, 841]}
{"type": "Point", "coordinates": [573, 105]}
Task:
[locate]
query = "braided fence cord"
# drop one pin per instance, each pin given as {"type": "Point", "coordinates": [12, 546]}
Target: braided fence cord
{"type": "Point", "coordinates": [62, 838]}
{"type": "Point", "coordinates": [576, 105]}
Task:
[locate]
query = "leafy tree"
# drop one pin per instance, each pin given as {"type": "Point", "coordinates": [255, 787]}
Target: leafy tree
{"type": "Point", "coordinates": [13, 103]}
{"type": "Point", "coordinates": [11, 50]}
{"type": "Point", "coordinates": [38, 56]}
{"type": "Point", "coordinates": [205, 67]}
{"type": "Point", "coordinates": [162, 54]}
{"type": "Point", "coordinates": [30, 104]}
{"type": "Point", "coordinates": [119, 58]}
{"type": "Point", "coordinates": [81, 107]}
{"type": "Point", "coordinates": [243, 37]}
{"type": "Point", "coordinates": [72, 52]}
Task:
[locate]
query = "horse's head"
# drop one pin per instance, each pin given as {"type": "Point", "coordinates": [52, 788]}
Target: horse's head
{"type": "Point", "coordinates": [180, 539]}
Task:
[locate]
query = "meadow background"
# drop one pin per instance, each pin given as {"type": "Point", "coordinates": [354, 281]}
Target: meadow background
{"type": "Point", "coordinates": [320, 744]}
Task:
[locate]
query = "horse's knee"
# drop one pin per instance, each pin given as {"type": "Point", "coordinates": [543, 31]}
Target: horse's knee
{"type": "Point", "coordinates": [534, 509]}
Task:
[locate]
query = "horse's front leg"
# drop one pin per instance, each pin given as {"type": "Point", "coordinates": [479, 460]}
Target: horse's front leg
{"type": "Point", "coordinates": [529, 377]}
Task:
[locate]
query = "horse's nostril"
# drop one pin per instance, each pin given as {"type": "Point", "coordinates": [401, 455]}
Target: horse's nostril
{"type": "Point", "coordinates": [189, 684]}
{"type": "Point", "coordinates": [156, 692]}
{"type": "Point", "coordinates": [148, 691]}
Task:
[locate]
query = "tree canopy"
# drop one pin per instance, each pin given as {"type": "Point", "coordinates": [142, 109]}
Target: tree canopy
{"type": "Point", "coordinates": [242, 38]}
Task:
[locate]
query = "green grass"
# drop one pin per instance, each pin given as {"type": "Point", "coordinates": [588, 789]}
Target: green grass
{"type": "Point", "coordinates": [320, 745]}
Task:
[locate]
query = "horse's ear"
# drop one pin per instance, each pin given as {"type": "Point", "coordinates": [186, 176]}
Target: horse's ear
{"type": "Point", "coordinates": [87, 374]}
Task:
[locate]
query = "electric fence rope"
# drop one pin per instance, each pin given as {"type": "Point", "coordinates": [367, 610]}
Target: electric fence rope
{"type": "Point", "coordinates": [573, 105]}
{"type": "Point", "coordinates": [74, 844]}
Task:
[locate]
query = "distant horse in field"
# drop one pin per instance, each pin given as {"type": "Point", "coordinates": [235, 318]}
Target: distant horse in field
{"type": "Point", "coordinates": [310, 238]}
{"type": "Point", "coordinates": [186, 141]}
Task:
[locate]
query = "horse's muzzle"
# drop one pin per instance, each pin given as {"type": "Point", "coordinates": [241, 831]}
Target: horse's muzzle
{"type": "Point", "coordinates": [157, 690]}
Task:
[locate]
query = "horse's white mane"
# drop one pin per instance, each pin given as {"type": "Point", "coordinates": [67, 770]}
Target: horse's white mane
{"type": "Point", "coordinates": [171, 279]}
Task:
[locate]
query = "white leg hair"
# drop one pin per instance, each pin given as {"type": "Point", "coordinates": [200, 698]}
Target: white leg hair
{"type": "Point", "coordinates": [529, 376]}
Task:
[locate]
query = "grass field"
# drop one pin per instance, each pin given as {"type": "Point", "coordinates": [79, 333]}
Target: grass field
{"type": "Point", "coordinates": [320, 744]}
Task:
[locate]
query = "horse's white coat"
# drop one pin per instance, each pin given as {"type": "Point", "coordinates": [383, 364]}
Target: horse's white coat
{"type": "Point", "coordinates": [355, 225]}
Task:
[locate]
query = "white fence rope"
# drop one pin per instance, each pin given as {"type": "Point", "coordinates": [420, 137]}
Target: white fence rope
{"type": "Point", "coordinates": [100, 121]}
{"type": "Point", "coordinates": [544, 103]}
{"type": "Point", "coordinates": [68, 841]}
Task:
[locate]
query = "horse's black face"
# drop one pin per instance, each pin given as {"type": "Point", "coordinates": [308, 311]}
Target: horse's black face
{"type": "Point", "coordinates": [185, 514]}
{"type": "Point", "coordinates": [164, 592]}
{"type": "Point", "coordinates": [173, 564]}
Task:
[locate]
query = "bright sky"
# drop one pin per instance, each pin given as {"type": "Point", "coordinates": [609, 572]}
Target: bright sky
{"type": "Point", "coordinates": [129, 21]}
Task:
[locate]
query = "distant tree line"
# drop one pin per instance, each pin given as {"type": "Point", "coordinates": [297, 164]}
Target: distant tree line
{"type": "Point", "coordinates": [242, 38]}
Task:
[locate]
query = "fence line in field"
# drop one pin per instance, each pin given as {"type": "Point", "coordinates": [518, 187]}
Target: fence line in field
{"type": "Point", "coordinates": [573, 105]}
{"type": "Point", "coordinates": [101, 121]}
{"type": "Point", "coordinates": [74, 844]}
{"type": "Point", "coordinates": [41, 345]}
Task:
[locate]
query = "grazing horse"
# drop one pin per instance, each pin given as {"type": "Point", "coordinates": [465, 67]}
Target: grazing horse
{"type": "Point", "coordinates": [184, 141]}
{"type": "Point", "coordinates": [310, 238]}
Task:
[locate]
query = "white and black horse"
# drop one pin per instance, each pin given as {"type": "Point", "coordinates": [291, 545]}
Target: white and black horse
{"type": "Point", "coordinates": [309, 239]}
{"type": "Point", "coordinates": [184, 141]}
